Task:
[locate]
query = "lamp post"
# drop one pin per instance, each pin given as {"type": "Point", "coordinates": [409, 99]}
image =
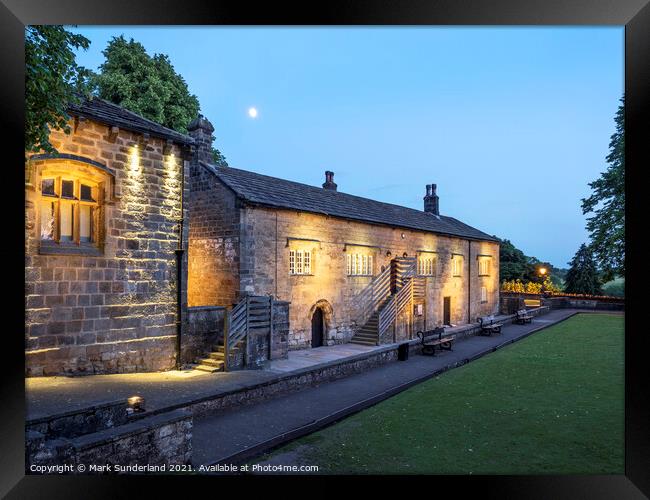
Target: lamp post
{"type": "Point", "coordinates": [542, 273]}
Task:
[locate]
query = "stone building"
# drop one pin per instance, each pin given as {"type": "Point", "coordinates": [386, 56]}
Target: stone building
{"type": "Point", "coordinates": [340, 260]}
{"type": "Point", "coordinates": [102, 231]}
{"type": "Point", "coordinates": [136, 245]}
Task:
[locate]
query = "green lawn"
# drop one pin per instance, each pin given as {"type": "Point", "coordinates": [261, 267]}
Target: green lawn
{"type": "Point", "coordinates": [549, 404]}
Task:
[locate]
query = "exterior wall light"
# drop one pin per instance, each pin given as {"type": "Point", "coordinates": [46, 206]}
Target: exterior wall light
{"type": "Point", "coordinates": [136, 404]}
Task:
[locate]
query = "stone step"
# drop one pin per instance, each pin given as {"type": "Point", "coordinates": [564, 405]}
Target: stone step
{"type": "Point", "coordinates": [208, 368]}
{"type": "Point", "coordinates": [363, 331]}
{"type": "Point", "coordinates": [363, 342]}
{"type": "Point", "coordinates": [365, 335]}
{"type": "Point", "coordinates": [211, 362]}
{"type": "Point", "coordinates": [217, 355]}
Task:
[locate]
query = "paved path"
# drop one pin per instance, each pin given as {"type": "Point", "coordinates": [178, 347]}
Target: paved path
{"type": "Point", "coordinates": [247, 430]}
{"type": "Point", "coordinates": [51, 395]}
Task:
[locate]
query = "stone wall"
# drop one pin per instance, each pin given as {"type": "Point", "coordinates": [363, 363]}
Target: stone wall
{"type": "Point", "coordinates": [268, 235]}
{"type": "Point", "coordinates": [157, 440]}
{"type": "Point", "coordinates": [112, 309]}
{"type": "Point", "coordinates": [204, 329]}
{"type": "Point", "coordinates": [213, 253]}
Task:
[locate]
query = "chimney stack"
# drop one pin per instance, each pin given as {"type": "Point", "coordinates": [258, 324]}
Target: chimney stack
{"type": "Point", "coordinates": [431, 200]}
{"type": "Point", "coordinates": [329, 181]}
{"type": "Point", "coordinates": [201, 131]}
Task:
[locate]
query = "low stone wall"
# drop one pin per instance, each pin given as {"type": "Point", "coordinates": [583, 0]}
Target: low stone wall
{"type": "Point", "coordinates": [76, 423]}
{"type": "Point", "coordinates": [105, 435]}
{"type": "Point", "coordinates": [295, 381]}
{"type": "Point", "coordinates": [595, 305]}
{"type": "Point", "coordinates": [204, 328]}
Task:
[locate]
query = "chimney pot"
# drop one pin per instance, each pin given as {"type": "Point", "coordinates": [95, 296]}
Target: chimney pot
{"type": "Point", "coordinates": [329, 181]}
{"type": "Point", "coordinates": [431, 200]}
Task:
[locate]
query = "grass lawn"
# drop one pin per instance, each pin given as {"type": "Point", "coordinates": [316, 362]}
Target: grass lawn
{"type": "Point", "coordinates": [549, 404]}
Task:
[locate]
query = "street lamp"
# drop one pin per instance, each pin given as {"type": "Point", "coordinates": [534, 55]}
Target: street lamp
{"type": "Point", "coordinates": [542, 272]}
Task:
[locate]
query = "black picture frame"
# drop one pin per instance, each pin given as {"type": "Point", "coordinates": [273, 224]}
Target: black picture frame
{"type": "Point", "coordinates": [634, 14]}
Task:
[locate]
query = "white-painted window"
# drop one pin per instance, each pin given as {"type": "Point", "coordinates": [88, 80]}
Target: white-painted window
{"type": "Point", "coordinates": [426, 264]}
{"type": "Point", "coordinates": [300, 262]}
{"type": "Point", "coordinates": [359, 264]}
{"type": "Point", "coordinates": [484, 267]}
{"type": "Point", "coordinates": [484, 294]}
{"type": "Point", "coordinates": [68, 209]}
{"type": "Point", "coordinates": [456, 265]}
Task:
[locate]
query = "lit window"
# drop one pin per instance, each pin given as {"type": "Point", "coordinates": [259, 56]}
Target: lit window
{"type": "Point", "coordinates": [483, 267]}
{"type": "Point", "coordinates": [483, 294]}
{"type": "Point", "coordinates": [456, 267]}
{"type": "Point", "coordinates": [425, 265]}
{"type": "Point", "coordinates": [68, 210]}
{"type": "Point", "coordinates": [299, 262]}
{"type": "Point", "coordinates": [359, 264]}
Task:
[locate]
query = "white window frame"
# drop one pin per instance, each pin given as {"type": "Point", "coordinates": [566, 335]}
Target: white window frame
{"type": "Point", "coordinates": [426, 264]}
{"type": "Point", "coordinates": [300, 262]}
{"type": "Point", "coordinates": [456, 266]}
{"type": "Point", "coordinates": [484, 294]}
{"type": "Point", "coordinates": [359, 264]}
{"type": "Point", "coordinates": [484, 267]}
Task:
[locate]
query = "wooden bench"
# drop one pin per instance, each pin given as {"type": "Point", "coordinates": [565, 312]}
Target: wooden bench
{"type": "Point", "coordinates": [489, 325]}
{"type": "Point", "coordinates": [435, 338]}
{"type": "Point", "coordinates": [523, 317]}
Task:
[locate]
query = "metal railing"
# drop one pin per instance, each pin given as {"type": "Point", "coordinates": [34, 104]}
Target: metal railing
{"type": "Point", "coordinates": [407, 284]}
{"type": "Point", "coordinates": [373, 296]}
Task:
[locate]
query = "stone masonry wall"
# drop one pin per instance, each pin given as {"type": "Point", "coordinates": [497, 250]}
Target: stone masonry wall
{"type": "Point", "coordinates": [213, 253]}
{"type": "Point", "coordinates": [114, 311]}
{"type": "Point", "coordinates": [268, 235]}
{"type": "Point", "coordinates": [204, 328]}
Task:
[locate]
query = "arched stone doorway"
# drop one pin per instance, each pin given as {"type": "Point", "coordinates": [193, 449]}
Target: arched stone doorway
{"type": "Point", "coordinates": [321, 321]}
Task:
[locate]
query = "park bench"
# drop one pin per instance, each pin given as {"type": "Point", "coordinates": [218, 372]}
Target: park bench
{"type": "Point", "coordinates": [489, 325]}
{"type": "Point", "coordinates": [523, 317]}
{"type": "Point", "coordinates": [435, 338]}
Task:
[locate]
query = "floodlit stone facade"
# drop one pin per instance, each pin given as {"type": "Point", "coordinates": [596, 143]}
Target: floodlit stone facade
{"type": "Point", "coordinates": [101, 231]}
{"type": "Point", "coordinates": [238, 248]}
{"type": "Point", "coordinates": [109, 217]}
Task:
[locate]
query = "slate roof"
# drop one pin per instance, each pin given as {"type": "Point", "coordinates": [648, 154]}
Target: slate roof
{"type": "Point", "coordinates": [279, 193]}
{"type": "Point", "coordinates": [111, 114]}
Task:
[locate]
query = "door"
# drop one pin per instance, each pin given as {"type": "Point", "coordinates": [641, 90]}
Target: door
{"type": "Point", "coordinates": [446, 311]}
{"type": "Point", "coordinates": [317, 328]}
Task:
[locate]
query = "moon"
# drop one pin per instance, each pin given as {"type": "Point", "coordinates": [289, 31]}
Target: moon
{"type": "Point", "coordinates": [252, 112]}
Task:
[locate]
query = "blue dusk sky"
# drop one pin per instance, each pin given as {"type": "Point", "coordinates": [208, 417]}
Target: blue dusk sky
{"type": "Point", "coordinates": [511, 123]}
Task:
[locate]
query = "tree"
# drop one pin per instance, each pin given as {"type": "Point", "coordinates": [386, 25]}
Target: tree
{"type": "Point", "coordinates": [52, 81]}
{"type": "Point", "coordinates": [607, 202]}
{"type": "Point", "coordinates": [583, 276]}
{"type": "Point", "coordinates": [148, 86]}
{"type": "Point", "coordinates": [218, 158]}
{"type": "Point", "coordinates": [514, 265]}
{"type": "Point", "coordinates": [145, 85]}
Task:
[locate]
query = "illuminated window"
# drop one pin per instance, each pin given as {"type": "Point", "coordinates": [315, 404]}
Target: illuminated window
{"type": "Point", "coordinates": [68, 210]}
{"type": "Point", "coordinates": [299, 262]}
{"type": "Point", "coordinates": [483, 267]}
{"type": "Point", "coordinates": [456, 265]}
{"type": "Point", "coordinates": [483, 294]}
{"type": "Point", "coordinates": [359, 264]}
{"type": "Point", "coordinates": [425, 264]}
